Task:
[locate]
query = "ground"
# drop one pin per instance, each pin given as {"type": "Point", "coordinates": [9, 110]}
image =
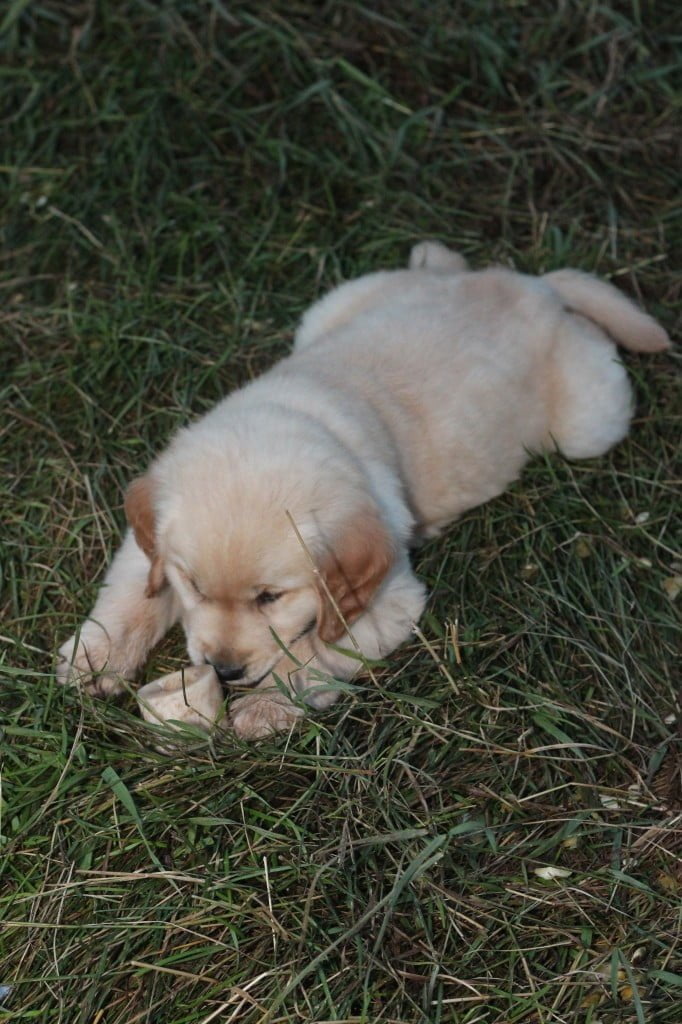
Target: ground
{"type": "Point", "coordinates": [179, 181]}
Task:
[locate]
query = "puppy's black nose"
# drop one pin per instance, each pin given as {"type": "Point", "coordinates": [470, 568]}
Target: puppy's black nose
{"type": "Point", "coordinates": [228, 673]}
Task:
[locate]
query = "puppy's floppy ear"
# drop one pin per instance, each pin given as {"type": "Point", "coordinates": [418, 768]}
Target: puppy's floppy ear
{"type": "Point", "coordinates": [352, 572]}
{"type": "Point", "coordinates": [139, 510]}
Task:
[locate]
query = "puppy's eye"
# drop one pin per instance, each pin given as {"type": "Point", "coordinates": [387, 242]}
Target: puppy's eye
{"type": "Point", "coordinates": [189, 580]}
{"type": "Point", "coordinates": [267, 597]}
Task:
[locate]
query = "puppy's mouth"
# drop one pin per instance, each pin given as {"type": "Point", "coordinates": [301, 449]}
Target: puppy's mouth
{"type": "Point", "coordinates": [249, 684]}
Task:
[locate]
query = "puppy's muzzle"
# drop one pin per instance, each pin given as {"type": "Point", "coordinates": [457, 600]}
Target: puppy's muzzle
{"type": "Point", "coordinates": [227, 672]}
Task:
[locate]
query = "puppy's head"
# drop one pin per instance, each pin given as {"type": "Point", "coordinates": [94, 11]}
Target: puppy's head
{"type": "Point", "coordinates": [259, 556]}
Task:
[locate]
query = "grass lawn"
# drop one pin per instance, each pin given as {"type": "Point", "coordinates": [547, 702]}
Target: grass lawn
{"type": "Point", "coordinates": [179, 180]}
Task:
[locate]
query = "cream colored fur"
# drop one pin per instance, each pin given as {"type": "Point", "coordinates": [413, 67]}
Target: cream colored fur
{"type": "Point", "coordinates": [282, 519]}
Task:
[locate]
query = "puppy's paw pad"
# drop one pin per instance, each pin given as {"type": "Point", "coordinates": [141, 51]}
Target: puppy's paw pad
{"type": "Point", "coordinates": [256, 716]}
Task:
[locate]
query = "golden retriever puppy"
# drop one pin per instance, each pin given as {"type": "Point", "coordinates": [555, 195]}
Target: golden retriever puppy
{"type": "Point", "coordinates": [277, 528]}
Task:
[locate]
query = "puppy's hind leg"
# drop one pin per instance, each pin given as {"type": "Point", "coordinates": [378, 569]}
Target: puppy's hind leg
{"type": "Point", "coordinates": [436, 257]}
{"type": "Point", "coordinates": [591, 398]}
{"type": "Point", "coordinates": [591, 401]}
{"type": "Point", "coordinates": [122, 628]}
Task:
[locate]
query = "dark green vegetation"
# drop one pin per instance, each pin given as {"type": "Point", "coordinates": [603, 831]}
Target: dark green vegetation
{"type": "Point", "coordinates": [179, 180]}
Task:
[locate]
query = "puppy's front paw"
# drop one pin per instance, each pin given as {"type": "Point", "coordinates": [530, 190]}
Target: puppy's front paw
{"type": "Point", "coordinates": [85, 660]}
{"type": "Point", "coordinates": [262, 714]}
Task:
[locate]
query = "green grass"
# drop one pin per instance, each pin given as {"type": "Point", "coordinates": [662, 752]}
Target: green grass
{"type": "Point", "coordinates": [179, 180]}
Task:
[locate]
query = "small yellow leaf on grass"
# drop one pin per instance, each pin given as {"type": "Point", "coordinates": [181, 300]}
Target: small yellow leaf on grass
{"type": "Point", "coordinates": [593, 999]}
{"type": "Point", "coordinates": [550, 872]}
{"type": "Point", "coordinates": [668, 882]}
{"type": "Point", "coordinates": [626, 993]}
{"type": "Point", "coordinates": [672, 586]}
{"type": "Point", "coordinates": [582, 548]}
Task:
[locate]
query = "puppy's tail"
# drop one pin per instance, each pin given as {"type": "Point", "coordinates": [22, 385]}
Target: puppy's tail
{"type": "Point", "coordinates": [610, 309]}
